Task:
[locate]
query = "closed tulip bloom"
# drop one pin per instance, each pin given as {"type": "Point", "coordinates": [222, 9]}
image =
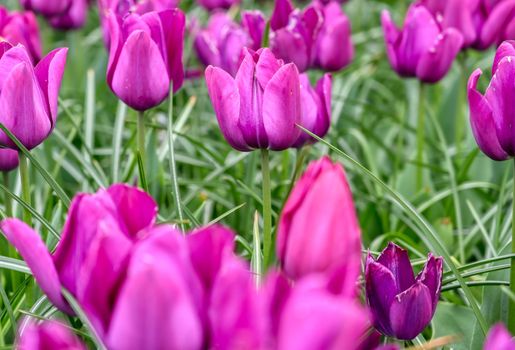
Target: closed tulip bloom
{"type": "Point", "coordinates": [145, 55]}
{"type": "Point", "coordinates": [38, 87]}
{"type": "Point", "coordinates": [49, 335]}
{"type": "Point", "coordinates": [8, 159]}
{"type": "Point", "coordinates": [293, 33]}
{"type": "Point", "coordinates": [402, 304]}
{"type": "Point", "coordinates": [499, 338]}
{"type": "Point", "coordinates": [21, 28]}
{"type": "Point", "coordinates": [47, 8]}
{"type": "Point", "coordinates": [420, 49]}
{"type": "Point", "coordinates": [73, 18]}
{"type": "Point", "coordinates": [260, 107]}
{"type": "Point", "coordinates": [334, 48]}
{"type": "Point", "coordinates": [491, 116]}
{"type": "Point", "coordinates": [318, 229]}
{"type": "Point", "coordinates": [211, 5]}
{"type": "Point", "coordinates": [315, 108]}
{"type": "Point", "coordinates": [499, 24]}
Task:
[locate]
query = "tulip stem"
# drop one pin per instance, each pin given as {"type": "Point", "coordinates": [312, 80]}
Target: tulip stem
{"type": "Point", "coordinates": [141, 149]}
{"type": "Point", "coordinates": [25, 186]}
{"type": "Point", "coordinates": [7, 199]}
{"type": "Point", "coordinates": [511, 309]}
{"type": "Point", "coordinates": [267, 209]}
{"type": "Point", "coordinates": [420, 137]}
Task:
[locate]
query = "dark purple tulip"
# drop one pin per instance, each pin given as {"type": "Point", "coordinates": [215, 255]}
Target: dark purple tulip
{"type": "Point", "coordinates": [315, 108]}
{"type": "Point", "coordinates": [8, 159]}
{"type": "Point", "coordinates": [49, 335]}
{"type": "Point", "coordinates": [221, 43]}
{"type": "Point", "coordinates": [211, 5]}
{"type": "Point", "coordinates": [334, 48]}
{"type": "Point", "coordinates": [145, 55]}
{"type": "Point", "coordinates": [304, 246]}
{"type": "Point", "coordinates": [402, 305]}
{"type": "Point", "coordinates": [21, 28]}
{"type": "Point", "coordinates": [38, 87]}
{"type": "Point", "coordinates": [491, 114]}
{"type": "Point", "coordinates": [293, 33]}
{"type": "Point", "coordinates": [499, 339]}
{"type": "Point", "coordinates": [420, 49]}
{"type": "Point", "coordinates": [260, 107]}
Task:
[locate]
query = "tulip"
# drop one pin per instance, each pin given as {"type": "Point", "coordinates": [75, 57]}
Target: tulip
{"type": "Point", "coordinates": [211, 5]}
{"type": "Point", "coordinates": [334, 48]}
{"type": "Point", "coordinates": [315, 108]}
{"type": "Point", "coordinates": [318, 231]}
{"type": "Point", "coordinates": [254, 24]}
{"type": "Point", "coordinates": [499, 339]}
{"type": "Point", "coordinates": [8, 159]}
{"type": "Point", "coordinates": [73, 18]}
{"type": "Point", "coordinates": [145, 55]}
{"type": "Point", "coordinates": [221, 43]}
{"type": "Point", "coordinates": [38, 87]}
{"type": "Point", "coordinates": [49, 335]}
{"type": "Point", "coordinates": [47, 8]}
{"type": "Point", "coordinates": [293, 33]}
{"type": "Point", "coordinates": [21, 28]}
{"type": "Point", "coordinates": [402, 305]}
{"type": "Point", "coordinates": [421, 49]}
{"type": "Point", "coordinates": [490, 116]}
{"type": "Point", "coordinates": [261, 105]}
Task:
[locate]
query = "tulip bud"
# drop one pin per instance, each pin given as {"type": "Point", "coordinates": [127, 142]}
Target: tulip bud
{"type": "Point", "coordinates": [48, 335]}
{"type": "Point", "coordinates": [211, 5]}
{"type": "Point", "coordinates": [260, 107]}
{"type": "Point", "coordinates": [402, 305]}
{"type": "Point", "coordinates": [421, 49]}
{"type": "Point", "coordinates": [8, 159]}
{"type": "Point", "coordinates": [38, 87]}
{"type": "Point", "coordinates": [21, 28]}
{"type": "Point", "coordinates": [490, 115]}
{"type": "Point", "coordinates": [145, 55]}
{"type": "Point", "coordinates": [334, 48]}
{"type": "Point", "coordinates": [315, 108]}
{"type": "Point", "coordinates": [318, 229]}
{"type": "Point", "coordinates": [499, 338]}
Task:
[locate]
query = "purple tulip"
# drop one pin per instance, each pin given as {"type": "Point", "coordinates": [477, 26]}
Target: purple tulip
{"type": "Point", "coordinates": [221, 43]}
{"type": "Point", "coordinates": [402, 304]}
{"type": "Point", "coordinates": [421, 49]}
{"type": "Point", "coordinates": [491, 116]}
{"type": "Point", "coordinates": [315, 108]}
{"type": "Point", "coordinates": [304, 245]}
{"type": "Point", "coordinates": [8, 159]}
{"type": "Point", "coordinates": [73, 18]}
{"type": "Point", "coordinates": [334, 48]}
{"type": "Point", "coordinates": [293, 33]}
{"type": "Point", "coordinates": [21, 28]}
{"type": "Point", "coordinates": [145, 55]}
{"type": "Point", "coordinates": [38, 87]}
{"type": "Point", "coordinates": [49, 335]}
{"type": "Point", "coordinates": [499, 339]}
{"type": "Point", "coordinates": [211, 5]}
{"type": "Point", "coordinates": [261, 106]}
{"type": "Point", "coordinates": [47, 8]}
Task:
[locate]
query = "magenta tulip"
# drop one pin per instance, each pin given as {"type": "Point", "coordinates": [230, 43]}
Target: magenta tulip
{"type": "Point", "coordinates": [305, 245]}
{"type": "Point", "coordinates": [261, 106]}
{"type": "Point", "coordinates": [8, 159]}
{"type": "Point", "coordinates": [49, 335]}
{"type": "Point", "coordinates": [499, 24]}
{"type": "Point", "coordinates": [499, 338]}
{"type": "Point", "coordinates": [211, 5]}
{"type": "Point", "coordinates": [420, 49]}
{"type": "Point", "coordinates": [402, 305]}
{"type": "Point", "coordinates": [491, 114]}
{"type": "Point", "coordinates": [47, 8]}
{"type": "Point", "coordinates": [145, 55]}
{"type": "Point", "coordinates": [73, 18]}
{"type": "Point", "coordinates": [315, 108]}
{"type": "Point", "coordinates": [21, 28]}
{"type": "Point", "coordinates": [38, 87]}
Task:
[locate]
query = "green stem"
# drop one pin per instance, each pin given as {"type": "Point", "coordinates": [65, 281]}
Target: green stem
{"type": "Point", "coordinates": [25, 186]}
{"type": "Point", "coordinates": [141, 146]}
{"type": "Point", "coordinates": [7, 199]}
{"type": "Point", "coordinates": [267, 209]}
{"type": "Point", "coordinates": [420, 137]}
{"type": "Point", "coordinates": [511, 310]}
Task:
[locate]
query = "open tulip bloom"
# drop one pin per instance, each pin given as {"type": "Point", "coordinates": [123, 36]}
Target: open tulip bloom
{"type": "Point", "coordinates": [402, 304]}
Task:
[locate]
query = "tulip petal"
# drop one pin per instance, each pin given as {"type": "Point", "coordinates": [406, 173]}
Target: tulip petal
{"type": "Point", "coordinates": [496, 22]}
{"type": "Point", "coordinates": [482, 122]}
{"type": "Point", "coordinates": [396, 259]}
{"type": "Point", "coordinates": [266, 66]}
{"type": "Point", "coordinates": [391, 35]}
{"type": "Point", "coordinates": [431, 276]}
{"type": "Point", "coordinates": [225, 98]}
{"type": "Point", "coordinates": [115, 43]}
{"type": "Point", "coordinates": [11, 58]}
{"type": "Point", "coordinates": [291, 46]}
{"type": "Point", "coordinates": [254, 23]}
{"type": "Point", "coordinates": [31, 247]}
{"type": "Point", "coordinates": [8, 159]}
{"type": "Point", "coordinates": [276, 292]}
{"type": "Point", "coordinates": [411, 312]}
{"type": "Point", "coordinates": [436, 62]}
{"type": "Point", "coordinates": [281, 14]}
{"type": "Point", "coordinates": [309, 110]}
{"type": "Point", "coordinates": [173, 23]}
{"type": "Point", "coordinates": [499, 338]}
{"type": "Point", "coordinates": [140, 77]}
{"type": "Point", "coordinates": [334, 45]}
{"type": "Point", "coordinates": [48, 335]}
{"type": "Point", "coordinates": [281, 108]}
{"type": "Point", "coordinates": [506, 49]}
{"type": "Point", "coordinates": [137, 209]}
{"type": "Point", "coordinates": [459, 15]}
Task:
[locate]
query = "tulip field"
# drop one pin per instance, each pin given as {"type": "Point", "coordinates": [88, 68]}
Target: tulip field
{"type": "Point", "coordinates": [269, 175]}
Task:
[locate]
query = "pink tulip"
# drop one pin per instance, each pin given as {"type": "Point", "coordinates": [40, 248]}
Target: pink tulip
{"type": "Point", "coordinates": [21, 28]}
{"type": "Point", "coordinates": [49, 335]}
{"type": "Point", "coordinates": [499, 338]}
{"type": "Point", "coordinates": [8, 159]}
